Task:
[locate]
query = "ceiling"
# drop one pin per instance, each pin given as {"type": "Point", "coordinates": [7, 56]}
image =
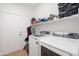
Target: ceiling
{"type": "Point", "coordinates": [32, 5]}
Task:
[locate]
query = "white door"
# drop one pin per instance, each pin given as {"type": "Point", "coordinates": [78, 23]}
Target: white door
{"type": "Point", "coordinates": [33, 46]}
{"type": "Point", "coordinates": [12, 36]}
{"type": "Point", "coordinates": [0, 30]}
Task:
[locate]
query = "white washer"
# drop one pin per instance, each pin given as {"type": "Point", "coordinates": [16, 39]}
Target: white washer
{"type": "Point", "coordinates": [34, 44]}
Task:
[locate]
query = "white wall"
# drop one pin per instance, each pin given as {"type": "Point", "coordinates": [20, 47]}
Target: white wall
{"type": "Point", "coordinates": [16, 9]}
{"type": "Point", "coordinates": [45, 9]}
{"type": "Point", "coordinates": [67, 24]}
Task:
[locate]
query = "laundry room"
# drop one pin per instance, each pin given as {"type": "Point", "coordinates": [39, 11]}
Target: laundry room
{"type": "Point", "coordinates": [39, 29]}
